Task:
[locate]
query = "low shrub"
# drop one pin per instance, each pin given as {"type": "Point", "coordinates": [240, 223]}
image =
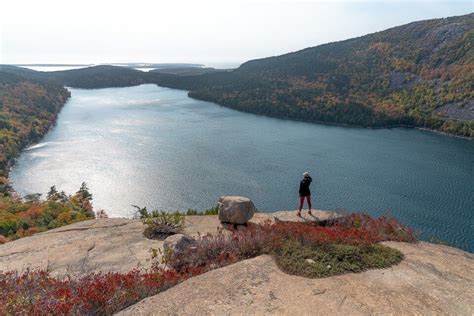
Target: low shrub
{"type": "Point", "coordinates": [223, 248]}
{"type": "Point", "coordinates": [38, 293]}
{"type": "Point", "coordinates": [160, 224]}
{"type": "Point", "coordinates": [333, 259]}
{"type": "Point", "coordinates": [101, 214]}
{"type": "Point", "coordinates": [355, 235]}
{"type": "Point", "coordinates": [354, 229]}
{"type": "Point", "coordinates": [382, 228]}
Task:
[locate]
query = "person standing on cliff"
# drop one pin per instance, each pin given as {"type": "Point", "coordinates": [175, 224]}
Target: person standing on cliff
{"type": "Point", "coordinates": [304, 192]}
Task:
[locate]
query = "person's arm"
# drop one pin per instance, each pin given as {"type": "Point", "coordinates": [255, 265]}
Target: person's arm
{"type": "Point", "coordinates": [309, 180]}
{"type": "Point", "coordinates": [301, 187]}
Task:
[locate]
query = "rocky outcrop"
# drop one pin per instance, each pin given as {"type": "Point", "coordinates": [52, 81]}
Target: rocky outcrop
{"type": "Point", "coordinates": [110, 244]}
{"type": "Point", "coordinates": [95, 245]}
{"type": "Point", "coordinates": [463, 111]}
{"type": "Point", "coordinates": [433, 279]}
{"type": "Point", "coordinates": [235, 209]}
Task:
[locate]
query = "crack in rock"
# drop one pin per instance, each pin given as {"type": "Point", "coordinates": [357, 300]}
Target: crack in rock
{"type": "Point", "coordinates": [343, 300]}
{"type": "Point", "coordinates": [84, 262]}
{"type": "Point", "coordinates": [83, 228]}
{"type": "Point", "coordinates": [318, 292]}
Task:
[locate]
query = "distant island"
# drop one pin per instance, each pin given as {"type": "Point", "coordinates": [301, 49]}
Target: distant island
{"type": "Point", "coordinates": [157, 65]}
{"type": "Point", "coordinates": [131, 65]}
{"type": "Point", "coordinates": [51, 65]}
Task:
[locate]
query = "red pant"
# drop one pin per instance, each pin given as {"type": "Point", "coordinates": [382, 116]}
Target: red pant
{"type": "Point", "coordinates": [308, 199]}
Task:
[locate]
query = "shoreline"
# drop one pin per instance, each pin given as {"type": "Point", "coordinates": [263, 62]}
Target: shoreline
{"type": "Point", "coordinates": [444, 133]}
{"type": "Point", "coordinates": [13, 160]}
{"type": "Point", "coordinates": [330, 123]}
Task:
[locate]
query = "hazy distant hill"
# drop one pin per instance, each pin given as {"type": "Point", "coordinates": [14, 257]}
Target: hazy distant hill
{"type": "Point", "coordinates": [98, 77]}
{"type": "Point", "coordinates": [408, 75]}
{"type": "Point", "coordinates": [95, 77]}
{"type": "Point", "coordinates": [188, 71]}
{"type": "Point", "coordinates": [159, 65]}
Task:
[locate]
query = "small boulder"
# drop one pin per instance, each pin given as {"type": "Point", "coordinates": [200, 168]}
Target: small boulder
{"type": "Point", "coordinates": [235, 209]}
{"type": "Point", "coordinates": [177, 243]}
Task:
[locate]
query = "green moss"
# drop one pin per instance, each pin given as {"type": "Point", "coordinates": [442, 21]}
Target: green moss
{"type": "Point", "coordinates": [333, 259]}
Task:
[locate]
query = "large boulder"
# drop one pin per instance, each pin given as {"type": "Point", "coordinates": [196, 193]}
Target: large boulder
{"type": "Point", "coordinates": [177, 243]}
{"type": "Point", "coordinates": [235, 209]}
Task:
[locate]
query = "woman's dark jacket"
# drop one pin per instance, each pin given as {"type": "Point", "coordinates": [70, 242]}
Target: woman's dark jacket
{"type": "Point", "coordinates": [304, 186]}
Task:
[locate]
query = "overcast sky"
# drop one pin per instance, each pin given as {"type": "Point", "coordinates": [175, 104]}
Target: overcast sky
{"type": "Point", "coordinates": [210, 32]}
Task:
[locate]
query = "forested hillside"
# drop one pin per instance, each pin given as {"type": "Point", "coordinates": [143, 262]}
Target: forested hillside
{"type": "Point", "coordinates": [27, 110]}
{"type": "Point", "coordinates": [30, 101]}
{"type": "Point", "coordinates": [420, 74]}
{"type": "Point", "coordinates": [98, 77]}
{"type": "Point", "coordinates": [94, 77]}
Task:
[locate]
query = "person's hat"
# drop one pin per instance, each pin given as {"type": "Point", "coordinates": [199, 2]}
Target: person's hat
{"type": "Point", "coordinates": [305, 174]}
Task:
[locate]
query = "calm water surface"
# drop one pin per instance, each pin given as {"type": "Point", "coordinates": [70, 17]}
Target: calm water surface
{"type": "Point", "coordinates": [156, 147]}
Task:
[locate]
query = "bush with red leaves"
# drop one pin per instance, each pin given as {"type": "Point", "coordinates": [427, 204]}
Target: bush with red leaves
{"type": "Point", "coordinates": [221, 249]}
{"type": "Point", "coordinates": [37, 292]}
{"type": "Point", "coordinates": [354, 229]}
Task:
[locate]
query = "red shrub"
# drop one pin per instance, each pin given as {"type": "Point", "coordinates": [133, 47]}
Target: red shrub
{"type": "Point", "coordinates": [355, 229]}
{"type": "Point", "coordinates": [384, 228]}
{"type": "Point", "coordinates": [36, 292]}
{"type": "Point", "coordinates": [222, 249]}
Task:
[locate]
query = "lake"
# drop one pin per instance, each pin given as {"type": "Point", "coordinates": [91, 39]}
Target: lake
{"type": "Point", "coordinates": [155, 147]}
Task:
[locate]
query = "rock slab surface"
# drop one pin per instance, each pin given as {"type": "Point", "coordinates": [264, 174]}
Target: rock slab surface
{"type": "Point", "coordinates": [107, 245]}
{"type": "Point", "coordinates": [432, 280]}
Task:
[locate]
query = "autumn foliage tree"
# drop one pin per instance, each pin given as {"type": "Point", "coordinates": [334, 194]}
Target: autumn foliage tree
{"type": "Point", "coordinates": [24, 217]}
{"type": "Point", "coordinates": [28, 108]}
